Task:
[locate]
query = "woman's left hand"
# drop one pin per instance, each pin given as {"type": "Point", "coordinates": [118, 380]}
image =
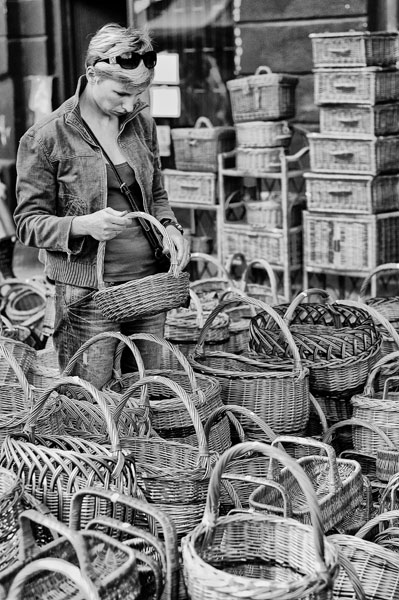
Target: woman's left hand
{"type": "Point", "coordinates": [181, 244]}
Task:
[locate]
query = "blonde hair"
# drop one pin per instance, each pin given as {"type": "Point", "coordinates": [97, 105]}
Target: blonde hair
{"type": "Point", "coordinates": [114, 40]}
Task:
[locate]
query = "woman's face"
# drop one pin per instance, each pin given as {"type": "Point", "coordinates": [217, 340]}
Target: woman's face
{"type": "Point", "coordinates": [115, 98]}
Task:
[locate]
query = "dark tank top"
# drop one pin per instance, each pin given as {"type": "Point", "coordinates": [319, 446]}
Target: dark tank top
{"type": "Point", "coordinates": [129, 255]}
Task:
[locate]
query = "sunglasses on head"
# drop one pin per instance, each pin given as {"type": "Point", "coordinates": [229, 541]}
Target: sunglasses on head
{"type": "Point", "coordinates": [149, 59]}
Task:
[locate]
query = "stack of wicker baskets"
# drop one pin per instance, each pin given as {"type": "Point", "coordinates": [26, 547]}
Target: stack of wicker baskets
{"type": "Point", "coordinates": [352, 191]}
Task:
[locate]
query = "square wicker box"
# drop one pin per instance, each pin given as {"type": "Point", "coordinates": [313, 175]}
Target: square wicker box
{"type": "Point", "coordinates": [197, 148]}
{"type": "Point", "coordinates": [264, 96]}
{"type": "Point", "coordinates": [258, 160]}
{"type": "Point", "coordinates": [380, 119]}
{"type": "Point", "coordinates": [262, 243]}
{"type": "Point", "coordinates": [263, 134]}
{"type": "Point", "coordinates": [353, 244]}
{"type": "Point", "coordinates": [354, 49]}
{"type": "Point", "coordinates": [354, 154]}
{"type": "Point", "coordinates": [360, 194]}
{"type": "Point", "coordinates": [190, 186]}
{"type": "Point", "coordinates": [368, 85]}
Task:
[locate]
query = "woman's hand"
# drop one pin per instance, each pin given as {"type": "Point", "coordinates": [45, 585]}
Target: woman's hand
{"type": "Point", "coordinates": [102, 225]}
{"type": "Point", "coordinates": [181, 244]}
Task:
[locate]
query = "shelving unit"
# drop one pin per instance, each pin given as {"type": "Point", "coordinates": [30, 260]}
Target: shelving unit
{"type": "Point", "coordinates": [281, 247]}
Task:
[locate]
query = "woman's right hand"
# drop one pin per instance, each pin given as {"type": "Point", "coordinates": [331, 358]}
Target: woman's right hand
{"type": "Point", "coordinates": [102, 225]}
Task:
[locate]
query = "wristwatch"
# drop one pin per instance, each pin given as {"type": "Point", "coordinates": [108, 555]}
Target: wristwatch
{"type": "Point", "coordinates": [166, 222]}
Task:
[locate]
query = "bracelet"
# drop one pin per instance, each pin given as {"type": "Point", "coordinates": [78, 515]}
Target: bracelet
{"type": "Point", "coordinates": [166, 222]}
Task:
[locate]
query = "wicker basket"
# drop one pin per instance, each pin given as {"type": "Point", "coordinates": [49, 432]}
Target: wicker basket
{"type": "Point", "coordinates": [350, 244]}
{"type": "Point", "coordinates": [369, 85]}
{"type": "Point", "coordinates": [263, 134]}
{"type": "Point", "coordinates": [24, 301]}
{"type": "Point", "coordinates": [190, 187]}
{"type": "Point", "coordinates": [250, 555]}
{"type": "Point", "coordinates": [264, 96]}
{"type": "Point", "coordinates": [258, 160]}
{"type": "Point", "coordinates": [162, 548]}
{"type": "Point", "coordinates": [98, 562]}
{"type": "Point", "coordinates": [388, 306]}
{"type": "Point", "coordinates": [11, 506]}
{"type": "Point", "coordinates": [354, 49]}
{"type": "Point", "coordinates": [277, 393]}
{"type": "Point", "coordinates": [266, 291]}
{"type": "Point", "coordinates": [343, 193]}
{"type": "Point", "coordinates": [338, 342]}
{"type": "Point", "coordinates": [381, 119]}
{"type": "Point", "coordinates": [197, 148]}
{"type": "Point", "coordinates": [147, 296]}
{"type": "Point", "coordinates": [366, 154]}
{"type": "Point", "coordinates": [338, 485]}
{"type": "Point", "coordinates": [210, 288]}
{"type": "Point", "coordinates": [269, 244]}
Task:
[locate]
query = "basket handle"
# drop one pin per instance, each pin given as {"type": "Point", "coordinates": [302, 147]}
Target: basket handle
{"type": "Point", "coordinates": [327, 437]}
{"type": "Point", "coordinates": [99, 398]}
{"type": "Point", "coordinates": [54, 565]}
{"type": "Point", "coordinates": [300, 297]}
{"type": "Point", "coordinates": [389, 515]}
{"type": "Point", "coordinates": [374, 273]}
{"type": "Point", "coordinates": [210, 518]}
{"type": "Point", "coordinates": [264, 483]}
{"type": "Point", "coordinates": [203, 449]}
{"type": "Point", "coordinates": [163, 521]}
{"type": "Point", "coordinates": [203, 121]}
{"type": "Point", "coordinates": [201, 256]}
{"type": "Point", "coordinates": [232, 409]}
{"type": "Point", "coordinates": [334, 482]}
{"type": "Point", "coordinates": [187, 368]}
{"type": "Point", "coordinates": [196, 303]}
{"type": "Point", "coordinates": [174, 267]}
{"type": "Point", "coordinates": [25, 385]}
{"type": "Point", "coordinates": [387, 381]}
{"type": "Point", "coordinates": [388, 359]}
{"type": "Point", "coordinates": [28, 545]}
{"type": "Point", "coordinates": [242, 298]}
{"type": "Point", "coordinates": [377, 317]}
{"type": "Point", "coordinates": [263, 69]}
{"type": "Point", "coordinates": [266, 266]}
{"type": "Point", "coordinates": [230, 262]}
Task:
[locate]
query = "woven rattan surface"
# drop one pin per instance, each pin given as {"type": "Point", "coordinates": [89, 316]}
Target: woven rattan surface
{"type": "Point", "coordinates": [147, 296]}
{"type": "Point", "coordinates": [388, 306]}
{"type": "Point", "coordinates": [381, 119]}
{"type": "Point", "coordinates": [354, 49]}
{"type": "Point", "coordinates": [190, 186]}
{"type": "Point", "coordinates": [262, 556]}
{"type": "Point", "coordinates": [355, 86]}
{"type": "Point", "coordinates": [261, 134]}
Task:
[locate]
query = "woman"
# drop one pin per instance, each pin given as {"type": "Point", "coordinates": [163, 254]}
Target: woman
{"type": "Point", "coordinates": [69, 198]}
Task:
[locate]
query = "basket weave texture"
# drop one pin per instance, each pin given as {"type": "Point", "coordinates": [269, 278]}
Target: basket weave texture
{"type": "Point", "coordinates": [197, 148]}
{"type": "Point", "coordinates": [263, 134]}
{"type": "Point", "coordinates": [246, 555]}
{"type": "Point", "coordinates": [370, 86]}
{"type": "Point", "coordinates": [354, 49]}
{"type": "Point", "coordinates": [381, 119]}
{"type": "Point", "coordinates": [264, 96]}
{"type": "Point", "coordinates": [185, 186]}
{"type": "Point", "coordinates": [147, 296]}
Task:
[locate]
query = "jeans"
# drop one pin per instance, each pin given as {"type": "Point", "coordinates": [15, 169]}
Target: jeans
{"type": "Point", "coordinates": [77, 319]}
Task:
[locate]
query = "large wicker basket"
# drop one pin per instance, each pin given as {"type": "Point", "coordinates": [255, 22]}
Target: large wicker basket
{"type": "Point", "coordinates": [369, 85]}
{"type": "Point", "coordinates": [147, 296]}
{"type": "Point", "coordinates": [264, 96]}
{"type": "Point", "coordinates": [354, 49]}
{"type": "Point", "coordinates": [381, 119]}
{"type": "Point", "coordinates": [250, 555]}
{"type": "Point", "coordinates": [197, 148]}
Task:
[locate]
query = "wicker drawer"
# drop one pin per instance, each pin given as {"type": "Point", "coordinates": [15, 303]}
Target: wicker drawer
{"type": "Point", "coordinates": [355, 86]}
{"type": "Point", "coordinates": [264, 96]}
{"type": "Point", "coordinates": [190, 186]}
{"type": "Point", "coordinates": [352, 193]}
{"type": "Point", "coordinates": [263, 134]}
{"type": "Point", "coordinates": [354, 49]}
{"type": "Point", "coordinates": [262, 243]}
{"type": "Point", "coordinates": [381, 119]}
{"type": "Point", "coordinates": [351, 244]}
{"type": "Point", "coordinates": [355, 154]}
{"type": "Point", "coordinates": [254, 160]}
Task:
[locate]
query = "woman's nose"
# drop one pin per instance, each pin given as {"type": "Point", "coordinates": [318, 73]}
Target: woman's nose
{"type": "Point", "coordinates": [128, 103]}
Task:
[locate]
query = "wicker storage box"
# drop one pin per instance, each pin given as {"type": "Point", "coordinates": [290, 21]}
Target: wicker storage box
{"type": "Point", "coordinates": [255, 160]}
{"type": "Point", "coordinates": [354, 49]}
{"type": "Point", "coordinates": [262, 243]}
{"type": "Point", "coordinates": [264, 96]}
{"type": "Point", "coordinates": [354, 154]}
{"type": "Point", "coordinates": [352, 193]}
{"type": "Point", "coordinates": [355, 86]}
{"type": "Point", "coordinates": [191, 187]}
{"type": "Point", "coordinates": [263, 134]}
{"type": "Point", "coordinates": [269, 212]}
{"type": "Point", "coordinates": [381, 119]}
{"type": "Point", "coordinates": [350, 244]}
{"type": "Point", "coordinates": [197, 148]}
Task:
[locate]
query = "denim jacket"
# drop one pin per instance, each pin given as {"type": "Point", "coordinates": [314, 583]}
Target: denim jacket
{"type": "Point", "coordinates": [61, 174]}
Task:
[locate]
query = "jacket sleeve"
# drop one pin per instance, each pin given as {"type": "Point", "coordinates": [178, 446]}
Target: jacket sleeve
{"type": "Point", "coordinates": [162, 208]}
{"type": "Point", "coordinates": [36, 219]}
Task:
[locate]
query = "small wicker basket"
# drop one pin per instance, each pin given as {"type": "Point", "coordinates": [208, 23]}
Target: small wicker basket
{"type": "Point", "coordinates": [263, 134]}
{"type": "Point", "coordinates": [148, 296]}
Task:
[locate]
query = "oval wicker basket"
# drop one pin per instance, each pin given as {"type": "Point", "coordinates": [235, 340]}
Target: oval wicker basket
{"type": "Point", "coordinates": [147, 296]}
{"type": "Point", "coordinates": [261, 291]}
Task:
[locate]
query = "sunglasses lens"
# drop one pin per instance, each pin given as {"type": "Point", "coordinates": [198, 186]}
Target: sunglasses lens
{"type": "Point", "coordinates": [150, 59]}
{"type": "Point", "coordinates": [129, 63]}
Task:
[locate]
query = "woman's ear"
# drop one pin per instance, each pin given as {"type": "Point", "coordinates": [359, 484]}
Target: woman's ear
{"type": "Point", "coordinates": [90, 74]}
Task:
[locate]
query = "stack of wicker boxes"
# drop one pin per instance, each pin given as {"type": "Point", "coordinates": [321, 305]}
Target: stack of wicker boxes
{"type": "Point", "coordinates": [261, 104]}
{"type": "Point", "coordinates": [352, 221]}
